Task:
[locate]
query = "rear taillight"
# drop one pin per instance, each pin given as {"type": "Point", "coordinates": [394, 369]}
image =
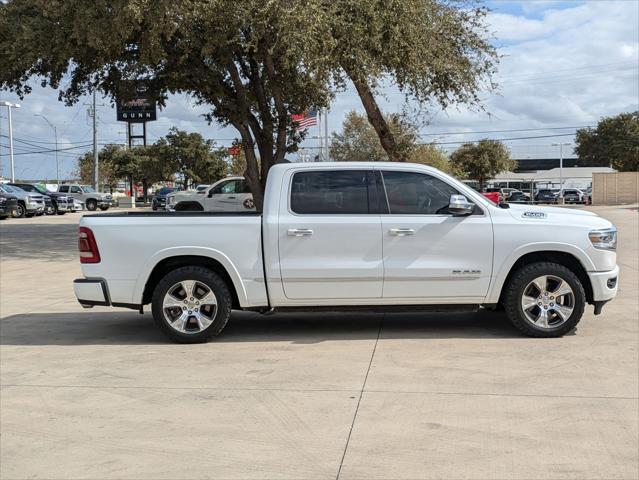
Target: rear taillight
{"type": "Point", "coordinates": [89, 252]}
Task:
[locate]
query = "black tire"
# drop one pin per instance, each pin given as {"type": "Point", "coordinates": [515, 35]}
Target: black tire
{"type": "Point", "coordinates": [20, 211]}
{"type": "Point", "coordinates": [515, 289]}
{"type": "Point", "coordinates": [201, 275]}
{"type": "Point", "coordinates": [104, 209]}
{"type": "Point", "coordinates": [91, 205]}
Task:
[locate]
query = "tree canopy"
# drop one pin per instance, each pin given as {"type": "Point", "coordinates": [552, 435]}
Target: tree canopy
{"type": "Point", "coordinates": [254, 63]}
{"type": "Point", "coordinates": [613, 143]}
{"type": "Point", "coordinates": [483, 160]}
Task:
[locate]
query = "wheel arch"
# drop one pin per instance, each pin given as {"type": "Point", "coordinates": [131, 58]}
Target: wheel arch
{"type": "Point", "coordinates": [564, 258]}
{"type": "Point", "coordinates": [188, 206]}
{"type": "Point", "coordinates": [171, 263]}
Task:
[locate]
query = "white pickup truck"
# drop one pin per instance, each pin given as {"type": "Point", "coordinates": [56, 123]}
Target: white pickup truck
{"type": "Point", "coordinates": [348, 236]}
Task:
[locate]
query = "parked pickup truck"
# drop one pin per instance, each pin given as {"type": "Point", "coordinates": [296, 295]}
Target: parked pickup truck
{"type": "Point", "coordinates": [351, 236]}
{"type": "Point", "coordinates": [87, 195]}
{"type": "Point", "coordinates": [230, 194]}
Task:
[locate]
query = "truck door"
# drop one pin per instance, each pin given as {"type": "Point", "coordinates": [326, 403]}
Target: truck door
{"type": "Point", "coordinates": [224, 197]}
{"type": "Point", "coordinates": [429, 253]}
{"type": "Point", "coordinates": [329, 236]}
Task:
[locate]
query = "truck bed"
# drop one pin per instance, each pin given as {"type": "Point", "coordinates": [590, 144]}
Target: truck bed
{"type": "Point", "coordinates": [132, 244]}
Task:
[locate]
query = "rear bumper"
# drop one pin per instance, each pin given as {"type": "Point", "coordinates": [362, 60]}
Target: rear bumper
{"type": "Point", "coordinates": [604, 284]}
{"type": "Point", "coordinates": [94, 291]}
{"type": "Point", "coordinates": [91, 292]}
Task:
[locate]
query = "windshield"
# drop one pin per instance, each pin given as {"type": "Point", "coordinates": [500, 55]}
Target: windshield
{"type": "Point", "coordinates": [88, 189]}
{"type": "Point", "coordinates": [8, 189]}
{"type": "Point", "coordinates": [164, 191]}
{"type": "Point", "coordinates": [41, 189]}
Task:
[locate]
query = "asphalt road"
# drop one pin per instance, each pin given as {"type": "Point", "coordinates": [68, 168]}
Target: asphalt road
{"type": "Point", "coordinates": [102, 394]}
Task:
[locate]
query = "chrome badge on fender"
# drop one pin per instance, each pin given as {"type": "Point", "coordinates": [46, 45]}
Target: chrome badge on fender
{"type": "Point", "coordinates": [534, 215]}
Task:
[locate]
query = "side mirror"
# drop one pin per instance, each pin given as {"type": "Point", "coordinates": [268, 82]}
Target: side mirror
{"type": "Point", "coordinates": [460, 206]}
{"type": "Point", "coordinates": [211, 192]}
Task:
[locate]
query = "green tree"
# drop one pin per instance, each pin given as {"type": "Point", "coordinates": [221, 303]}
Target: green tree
{"type": "Point", "coordinates": [613, 143]}
{"type": "Point", "coordinates": [358, 141]}
{"type": "Point", "coordinates": [434, 51]}
{"type": "Point", "coordinates": [429, 154]}
{"type": "Point", "coordinates": [254, 63]}
{"type": "Point", "coordinates": [483, 160]}
{"type": "Point", "coordinates": [107, 172]}
{"type": "Point", "coordinates": [193, 158]}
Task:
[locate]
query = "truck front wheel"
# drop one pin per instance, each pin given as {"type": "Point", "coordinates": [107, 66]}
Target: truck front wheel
{"type": "Point", "coordinates": [91, 205]}
{"type": "Point", "coordinates": [191, 304]}
{"type": "Point", "coordinates": [544, 299]}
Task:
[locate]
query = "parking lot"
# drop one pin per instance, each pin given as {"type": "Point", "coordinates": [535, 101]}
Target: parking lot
{"type": "Point", "coordinates": [101, 393]}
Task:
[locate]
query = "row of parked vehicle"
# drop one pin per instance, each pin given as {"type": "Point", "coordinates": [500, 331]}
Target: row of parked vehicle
{"type": "Point", "coordinates": [512, 195]}
{"type": "Point", "coordinates": [21, 200]}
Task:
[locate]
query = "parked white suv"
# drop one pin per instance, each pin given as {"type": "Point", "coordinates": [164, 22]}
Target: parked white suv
{"type": "Point", "coordinates": [230, 194]}
{"type": "Point", "coordinates": [352, 236]}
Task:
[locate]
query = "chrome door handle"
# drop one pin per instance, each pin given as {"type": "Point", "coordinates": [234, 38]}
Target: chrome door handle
{"type": "Point", "coordinates": [299, 232]}
{"type": "Point", "coordinates": [400, 232]}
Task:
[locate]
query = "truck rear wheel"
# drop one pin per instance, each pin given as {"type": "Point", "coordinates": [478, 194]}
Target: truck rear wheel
{"type": "Point", "coordinates": [91, 205]}
{"type": "Point", "coordinates": [191, 304]}
{"type": "Point", "coordinates": [544, 300]}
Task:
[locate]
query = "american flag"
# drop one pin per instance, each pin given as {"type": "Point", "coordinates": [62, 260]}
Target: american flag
{"type": "Point", "coordinates": [305, 120]}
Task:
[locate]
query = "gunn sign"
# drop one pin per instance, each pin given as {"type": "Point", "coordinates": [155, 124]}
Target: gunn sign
{"type": "Point", "coordinates": [134, 104]}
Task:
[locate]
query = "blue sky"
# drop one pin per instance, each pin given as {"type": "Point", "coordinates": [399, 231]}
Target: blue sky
{"type": "Point", "coordinates": [565, 64]}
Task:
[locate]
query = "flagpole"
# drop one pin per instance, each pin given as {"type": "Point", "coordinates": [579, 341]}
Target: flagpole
{"type": "Point", "coordinates": [326, 132]}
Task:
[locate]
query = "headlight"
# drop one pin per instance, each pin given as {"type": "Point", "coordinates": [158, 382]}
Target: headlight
{"type": "Point", "coordinates": [605, 239]}
{"type": "Point", "coordinates": [170, 200]}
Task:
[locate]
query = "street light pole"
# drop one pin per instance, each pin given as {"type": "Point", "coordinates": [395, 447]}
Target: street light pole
{"type": "Point", "coordinates": [9, 106]}
{"type": "Point", "coordinates": [561, 169]}
{"type": "Point", "coordinates": [55, 133]}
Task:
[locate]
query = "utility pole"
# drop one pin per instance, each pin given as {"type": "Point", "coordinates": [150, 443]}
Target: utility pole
{"type": "Point", "coordinates": [9, 106]}
{"type": "Point", "coordinates": [96, 180]}
{"type": "Point", "coordinates": [326, 133]}
{"type": "Point", "coordinates": [55, 133]}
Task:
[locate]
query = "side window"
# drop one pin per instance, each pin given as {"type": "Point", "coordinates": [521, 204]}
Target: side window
{"type": "Point", "coordinates": [76, 190]}
{"type": "Point", "coordinates": [412, 193]}
{"type": "Point", "coordinates": [225, 187]}
{"type": "Point", "coordinates": [330, 192]}
{"type": "Point", "coordinates": [63, 189]}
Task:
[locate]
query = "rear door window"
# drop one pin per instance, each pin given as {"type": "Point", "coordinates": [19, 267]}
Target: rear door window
{"type": "Point", "coordinates": [334, 192]}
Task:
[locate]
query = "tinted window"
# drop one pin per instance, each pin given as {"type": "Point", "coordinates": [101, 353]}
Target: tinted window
{"type": "Point", "coordinates": [417, 193]}
{"type": "Point", "coordinates": [76, 190]}
{"type": "Point", "coordinates": [333, 192]}
{"type": "Point", "coordinates": [63, 188]}
{"type": "Point", "coordinates": [231, 186]}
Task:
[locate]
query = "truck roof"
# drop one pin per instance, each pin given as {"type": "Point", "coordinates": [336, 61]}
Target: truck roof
{"type": "Point", "coordinates": [329, 165]}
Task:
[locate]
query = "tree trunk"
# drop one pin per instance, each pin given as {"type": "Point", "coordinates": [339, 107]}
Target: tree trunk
{"type": "Point", "coordinates": [376, 118]}
{"type": "Point", "coordinates": [145, 187]}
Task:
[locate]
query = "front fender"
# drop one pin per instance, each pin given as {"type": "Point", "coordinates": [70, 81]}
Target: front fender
{"type": "Point", "coordinates": [502, 269]}
{"type": "Point", "coordinates": [228, 265]}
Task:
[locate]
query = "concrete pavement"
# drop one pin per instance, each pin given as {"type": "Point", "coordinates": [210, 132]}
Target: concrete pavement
{"type": "Point", "coordinates": [100, 393]}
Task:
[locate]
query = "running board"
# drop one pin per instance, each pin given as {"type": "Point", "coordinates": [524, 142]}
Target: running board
{"type": "Point", "coordinates": [378, 308]}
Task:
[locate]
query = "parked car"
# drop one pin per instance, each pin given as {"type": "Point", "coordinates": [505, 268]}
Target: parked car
{"type": "Point", "coordinates": [8, 205]}
{"type": "Point", "coordinates": [352, 236]}
{"type": "Point", "coordinates": [574, 195]}
{"type": "Point", "coordinates": [159, 199]}
{"type": "Point", "coordinates": [201, 188]}
{"type": "Point", "coordinates": [230, 194]}
{"type": "Point", "coordinates": [59, 203]}
{"type": "Point", "coordinates": [518, 197]}
{"type": "Point", "coordinates": [545, 196]}
{"type": "Point", "coordinates": [494, 197]}
{"type": "Point", "coordinates": [87, 195]}
{"type": "Point", "coordinates": [29, 203]}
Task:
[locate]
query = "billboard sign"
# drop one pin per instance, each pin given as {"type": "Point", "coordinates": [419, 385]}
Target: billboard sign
{"type": "Point", "coordinates": [134, 104]}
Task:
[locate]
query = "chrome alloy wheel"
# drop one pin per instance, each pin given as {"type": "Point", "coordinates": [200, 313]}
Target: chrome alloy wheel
{"type": "Point", "coordinates": [189, 306]}
{"type": "Point", "coordinates": [548, 301]}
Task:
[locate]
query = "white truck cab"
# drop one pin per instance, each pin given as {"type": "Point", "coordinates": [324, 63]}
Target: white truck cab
{"type": "Point", "coordinates": [230, 194]}
{"type": "Point", "coordinates": [345, 236]}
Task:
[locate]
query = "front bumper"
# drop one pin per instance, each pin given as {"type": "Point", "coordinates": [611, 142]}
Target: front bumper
{"type": "Point", "coordinates": [604, 284]}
